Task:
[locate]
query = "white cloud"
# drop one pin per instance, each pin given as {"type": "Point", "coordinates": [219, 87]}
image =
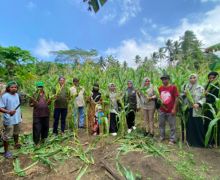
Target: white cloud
{"type": "Point", "coordinates": [108, 17]}
{"type": "Point", "coordinates": [207, 28]}
{"type": "Point", "coordinates": [120, 11]}
{"type": "Point", "coordinates": [31, 5]}
{"type": "Point", "coordinates": [129, 9]}
{"type": "Point", "coordinates": [128, 49]}
{"type": "Point", "coordinates": [204, 1]}
{"type": "Point", "coordinates": [44, 47]}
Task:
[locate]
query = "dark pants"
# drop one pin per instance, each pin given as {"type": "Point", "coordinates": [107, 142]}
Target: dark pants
{"type": "Point", "coordinates": [40, 128]}
{"type": "Point", "coordinates": [113, 123]}
{"type": "Point", "coordinates": [130, 117]}
{"type": "Point", "coordinates": [195, 130]}
{"type": "Point", "coordinates": [57, 113]}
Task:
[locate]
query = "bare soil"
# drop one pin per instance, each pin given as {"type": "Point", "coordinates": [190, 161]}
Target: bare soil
{"type": "Point", "coordinates": [148, 166]}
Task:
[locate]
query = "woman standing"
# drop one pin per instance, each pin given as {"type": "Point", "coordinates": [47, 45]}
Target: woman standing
{"type": "Point", "coordinates": [194, 99]}
{"type": "Point", "coordinates": [131, 104]}
{"type": "Point", "coordinates": [147, 101]}
{"type": "Point", "coordinates": [114, 108]}
{"type": "Point", "coordinates": [93, 100]}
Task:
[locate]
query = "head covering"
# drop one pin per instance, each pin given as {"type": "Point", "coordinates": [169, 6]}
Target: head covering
{"type": "Point", "coordinates": [61, 77]}
{"type": "Point", "coordinates": [95, 87]}
{"type": "Point", "coordinates": [130, 89]}
{"type": "Point", "coordinates": [130, 81]}
{"type": "Point", "coordinates": [40, 84]}
{"type": "Point", "coordinates": [165, 76]}
{"type": "Point", "coordinates": [192, 86]}
{"type": "Point", "coordinates": [98, 107]}
{"type": "Point", "coordinates": [213, 73]}
{"type": "Point", "coordinates": [11, 83]}
{"type": "Point", "coordinates": [144, 80]}
{"type": "Point", "coordinates": [195, 75]}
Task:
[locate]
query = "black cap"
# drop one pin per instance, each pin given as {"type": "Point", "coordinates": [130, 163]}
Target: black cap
{"type": "Point", "coordinates": [165, 76]}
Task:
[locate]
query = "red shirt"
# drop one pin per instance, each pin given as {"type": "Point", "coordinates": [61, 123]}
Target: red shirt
{"type": "Point", "coordinates": [168, 95]}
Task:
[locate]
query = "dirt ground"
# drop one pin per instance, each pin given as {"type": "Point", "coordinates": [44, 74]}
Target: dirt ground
{"type": "Point", "coordinates": [181, 162]}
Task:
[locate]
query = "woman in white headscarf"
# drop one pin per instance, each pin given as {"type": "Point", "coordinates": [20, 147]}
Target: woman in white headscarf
{"type": "Point", "coordinates": [147, 101]}
{"type": "Point", "coordinates": [194, 99]}
{"type": "Point", "coordinates": [114, 109]}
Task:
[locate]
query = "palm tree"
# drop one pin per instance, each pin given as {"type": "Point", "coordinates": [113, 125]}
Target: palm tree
{"type": "Point", "coordinates": [137, 59]}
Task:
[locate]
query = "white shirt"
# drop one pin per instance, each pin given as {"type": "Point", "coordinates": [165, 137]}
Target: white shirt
{"type": "Point", "coordinates": [79, 100]}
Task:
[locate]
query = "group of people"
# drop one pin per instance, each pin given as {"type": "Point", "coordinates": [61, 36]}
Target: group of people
{"type": "Point", "coordinates": [104, 117]}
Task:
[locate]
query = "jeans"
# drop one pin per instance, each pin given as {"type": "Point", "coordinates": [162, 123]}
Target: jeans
{"type": "Point", "coordinates": [79, 116]}
{"type": "Point", "coordinates": [163, 117]}
{"type": "Point", "coordinates": [57, 113]}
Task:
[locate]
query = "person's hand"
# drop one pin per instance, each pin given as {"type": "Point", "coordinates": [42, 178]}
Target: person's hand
{"type": "Point", "coordinates": [154, 97]}
{"type": "Point", "coordinates": [48, 101]}
{"type": "Point", "coordinates": [12, 112]}
{"type": "Point", "coordinates": [173, 112]}
{"type": "Point", "coordinates": [195, 106]}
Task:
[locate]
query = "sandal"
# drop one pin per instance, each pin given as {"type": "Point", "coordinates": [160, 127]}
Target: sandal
{"type": "Point", "coordinates": [8, 154]}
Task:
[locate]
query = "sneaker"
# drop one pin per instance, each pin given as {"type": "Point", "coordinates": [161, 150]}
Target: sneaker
{"type": "Point", "coordinates": [94, 134]}
{"type": "Point", "coordinates": [114, 134]}
{"type": "Point", "coordinates": [146, 133]}
{"type": "Point", "coordinates": [8, 154]}
{"type": "Point", "coordinates": [134, 128]}
{"type": "Point", "coordinates": [161, 139]}
{"type": "Point", "coordinates": [171, 143]}
{"type": "Point", "coordinates": [129, 131]}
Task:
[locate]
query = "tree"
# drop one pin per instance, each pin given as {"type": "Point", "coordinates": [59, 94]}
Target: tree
{"type": "Point", "coordinates": [137, 59]}
{"type": "Point", "coordinates": [101, 62]}
{"type": "Point", "coordinates": [13, 56]}
{"type": "Point", "coordinates": [74, 56]}
{"type": "Point", "coordinates": [125, 65]}
{"type": "Point", "coordinates": [191, 49]}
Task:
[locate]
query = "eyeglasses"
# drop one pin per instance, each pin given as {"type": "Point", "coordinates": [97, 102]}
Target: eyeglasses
{"type": "Point", "coordinates": [193, 77]}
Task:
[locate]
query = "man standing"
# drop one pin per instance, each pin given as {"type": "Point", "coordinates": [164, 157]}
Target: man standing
{"type": "Point", "coordinates": [169, 96]}
{"type": "Point", "coordinates": [77, 92]}
{"type": "Point", "coordinates": [40, 103]}
{"type": "Point", "coordinates": [60, 105]}
{"type": "Point", "coordinates": [10, 106]}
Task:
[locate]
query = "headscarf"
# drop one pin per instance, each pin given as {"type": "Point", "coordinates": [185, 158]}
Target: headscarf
{"type": "Point", "coordinates": [111, 84]}
{"type": "Point", "coordinates": [96, 95]}
{"type": "Point", "coordinates": [144, 80]}
{"type": "Point", "coordinates": [130, 89]}
{"type": "Point", "coordinates": [61, 77]}
{"type": "Point", "coordinates": [191, 86]}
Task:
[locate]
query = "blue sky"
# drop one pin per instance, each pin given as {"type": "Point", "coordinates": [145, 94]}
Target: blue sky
{"type": "Point", "coordinates": [123, 28]}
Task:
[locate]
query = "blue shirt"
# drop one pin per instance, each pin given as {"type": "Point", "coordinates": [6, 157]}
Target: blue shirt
{"type": "Point", "coordinates": [10, 102]}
